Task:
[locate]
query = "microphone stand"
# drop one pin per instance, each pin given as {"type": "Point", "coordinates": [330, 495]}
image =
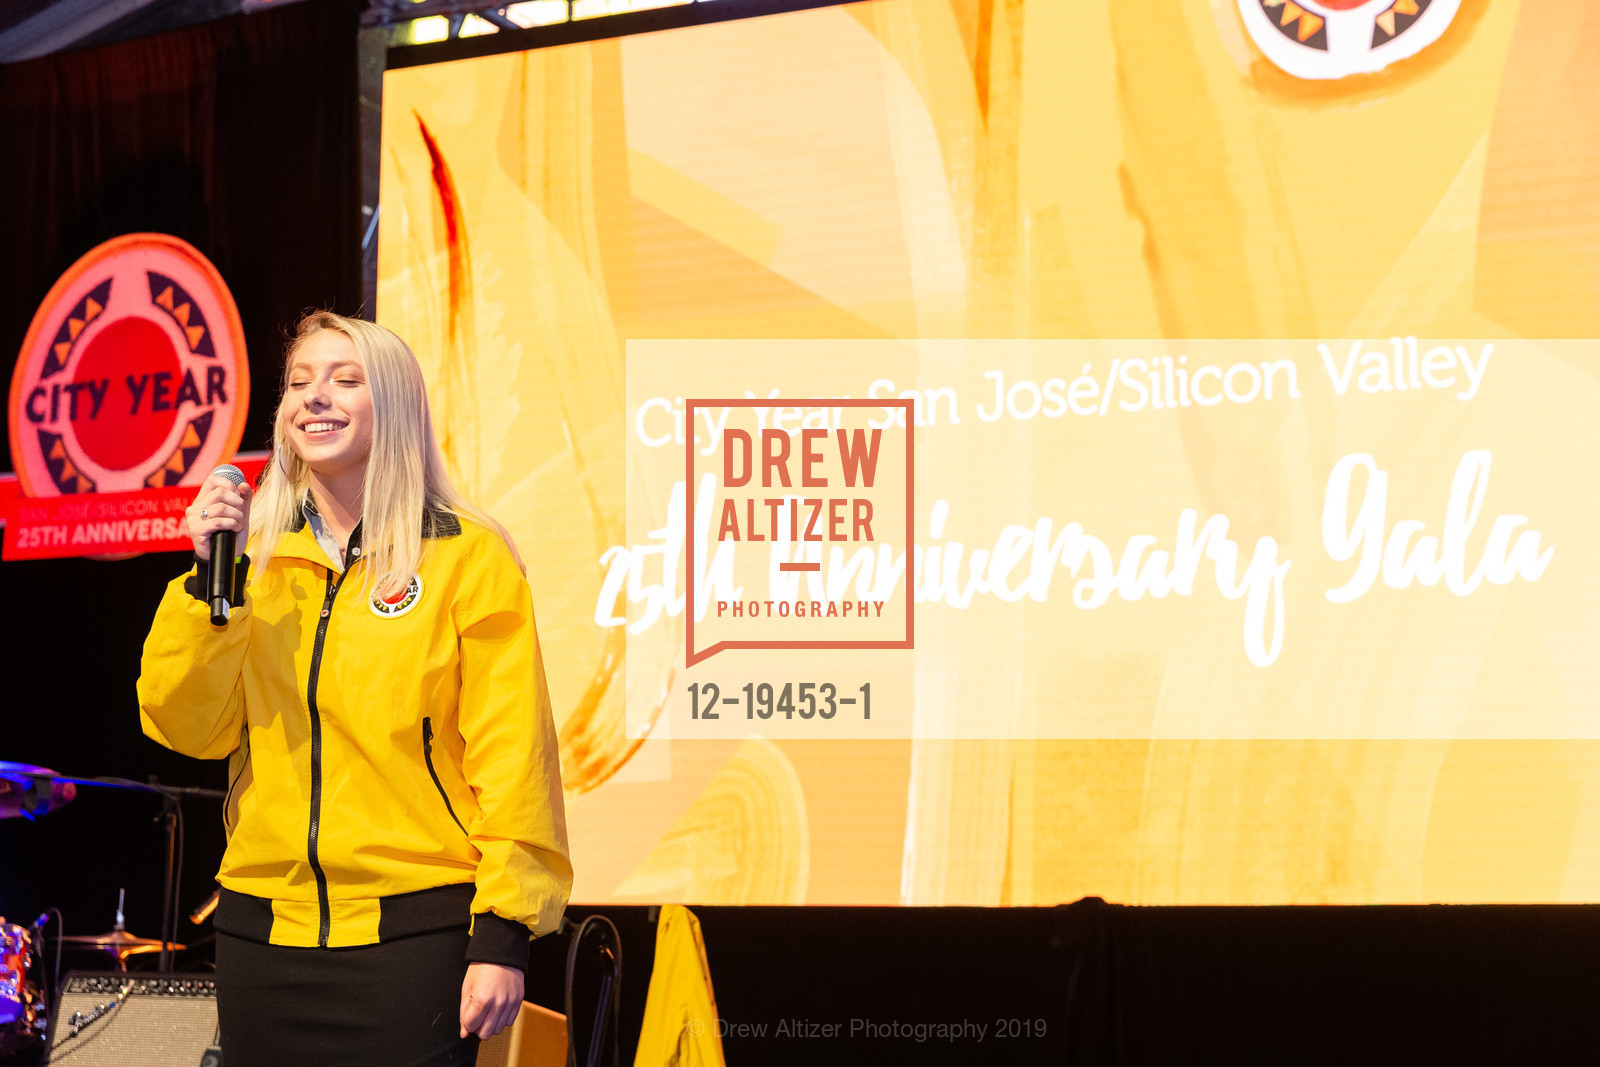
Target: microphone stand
{"type": "Point", "coordinates": [170, 818]}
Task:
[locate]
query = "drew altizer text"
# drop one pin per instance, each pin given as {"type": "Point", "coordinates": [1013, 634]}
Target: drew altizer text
{"type": "Point", "coordinates": [920, 1031]}
{"type": "Point", "coordinates": [797, 519]}
{"type": "Point", "coordinates": [802, 489]}
{"type": "Point", "coordinates": [858, 454]}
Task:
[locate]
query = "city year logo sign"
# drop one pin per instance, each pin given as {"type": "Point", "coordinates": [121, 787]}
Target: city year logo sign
{"type": "Point", "coordinates": [132, 384]}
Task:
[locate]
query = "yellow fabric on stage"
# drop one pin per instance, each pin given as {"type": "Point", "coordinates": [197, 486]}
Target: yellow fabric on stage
{"type": "Point", "coordinates": [680, 1012]}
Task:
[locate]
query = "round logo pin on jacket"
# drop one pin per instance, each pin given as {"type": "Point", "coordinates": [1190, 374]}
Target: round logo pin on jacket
{"type": "Point", "coordinates": [402, 602]}
{"type": "Point", "coordinates": [132, 375]}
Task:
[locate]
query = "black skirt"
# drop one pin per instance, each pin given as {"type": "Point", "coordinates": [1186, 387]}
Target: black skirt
{"type": "Point", "coordinates": [395, 1004]}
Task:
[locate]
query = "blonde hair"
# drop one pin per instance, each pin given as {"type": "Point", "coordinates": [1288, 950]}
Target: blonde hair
{"type": "Point", "coordinates": [407, 487]}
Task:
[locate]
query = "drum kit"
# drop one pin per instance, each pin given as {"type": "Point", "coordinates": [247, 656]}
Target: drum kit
{"type": "Point", "coordinates": [31, 792]}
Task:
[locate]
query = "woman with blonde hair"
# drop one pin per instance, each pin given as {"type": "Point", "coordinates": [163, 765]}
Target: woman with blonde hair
{"type": "Point", "coordinates": [395, 819]}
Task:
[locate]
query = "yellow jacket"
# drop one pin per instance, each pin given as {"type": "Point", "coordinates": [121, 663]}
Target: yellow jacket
{"type": "Point", "coordinates": [393, 768]}
{"type": "Point", "coordinates": [680, 1011]}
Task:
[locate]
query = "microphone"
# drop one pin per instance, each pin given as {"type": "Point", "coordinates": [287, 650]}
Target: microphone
{"type": "Point", "coordinates": [220, 584]}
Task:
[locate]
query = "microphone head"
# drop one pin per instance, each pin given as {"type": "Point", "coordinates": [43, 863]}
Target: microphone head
{"type": "Point", "coordinates": [230, 472]}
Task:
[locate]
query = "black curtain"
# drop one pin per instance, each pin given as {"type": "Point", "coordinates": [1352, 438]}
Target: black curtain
{"type": "Point", "coordinates": [240, 136]}
{"type": "Point", "coordinates": [1104, 985]}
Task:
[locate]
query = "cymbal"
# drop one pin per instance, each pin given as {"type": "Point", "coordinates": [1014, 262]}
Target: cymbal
{"type": "Point", "coordinates": [119, 941]}
{"type": "Point", "coordinates": [21, 795]}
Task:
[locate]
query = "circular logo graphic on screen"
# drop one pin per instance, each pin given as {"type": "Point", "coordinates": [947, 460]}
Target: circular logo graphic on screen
{"type": "Point", "coordinates": [1323, 39]}
{"type": "Point", "coordinates": [132, 375]}
{"type": "Point", "coordinates": [395, 606]}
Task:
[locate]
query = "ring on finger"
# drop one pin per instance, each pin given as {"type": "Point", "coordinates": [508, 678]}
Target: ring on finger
{"type": "Point", "coordinates": [203, 514]}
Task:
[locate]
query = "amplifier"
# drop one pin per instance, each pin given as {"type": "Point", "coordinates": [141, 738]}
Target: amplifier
{"type": "Point", "coordinates": [538, 1038]}
{"type": "Point", "coordinates": [154, 1020]}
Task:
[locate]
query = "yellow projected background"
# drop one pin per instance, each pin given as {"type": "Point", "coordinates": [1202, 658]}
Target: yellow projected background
{"type": "Point", "coordinates": [974, 169]}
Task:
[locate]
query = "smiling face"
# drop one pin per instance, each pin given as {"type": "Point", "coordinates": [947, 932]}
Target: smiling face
{"type": "Point", "coordinates": [326, 414]}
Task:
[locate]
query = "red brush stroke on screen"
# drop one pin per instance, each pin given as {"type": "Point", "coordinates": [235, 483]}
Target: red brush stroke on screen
{"type": "Point", "coordinates": [455, 230]}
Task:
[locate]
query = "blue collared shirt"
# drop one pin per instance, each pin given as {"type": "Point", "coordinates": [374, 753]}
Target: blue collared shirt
{"type": "Point", "coordinates": [320, 531]}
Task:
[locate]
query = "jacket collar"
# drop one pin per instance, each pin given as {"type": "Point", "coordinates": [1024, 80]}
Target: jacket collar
{"type": "Point", "coordinates": [300, 543]}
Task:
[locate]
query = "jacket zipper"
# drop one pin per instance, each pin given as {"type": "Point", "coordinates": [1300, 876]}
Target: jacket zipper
{"type": "Point", "coordinates": [316, 762]}
{"type": "Point", "coordinates": [427, 755]}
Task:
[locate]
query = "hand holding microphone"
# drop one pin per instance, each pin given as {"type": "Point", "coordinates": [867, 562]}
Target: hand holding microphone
{"type": "Point", "coordinates": [218, 521]}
